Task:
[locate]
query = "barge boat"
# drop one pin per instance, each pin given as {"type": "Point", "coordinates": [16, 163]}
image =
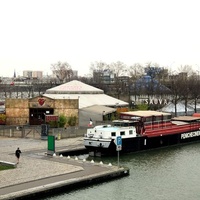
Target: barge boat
{"type": "Point", "coordinates": [141, 130]}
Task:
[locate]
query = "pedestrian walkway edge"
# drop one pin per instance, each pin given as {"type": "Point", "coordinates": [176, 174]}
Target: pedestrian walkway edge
{"type": "Point", "coordinates": [66, 185]}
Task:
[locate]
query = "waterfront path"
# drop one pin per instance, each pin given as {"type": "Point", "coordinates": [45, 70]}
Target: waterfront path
{"type": "Point", "coordinates": [38, 172]}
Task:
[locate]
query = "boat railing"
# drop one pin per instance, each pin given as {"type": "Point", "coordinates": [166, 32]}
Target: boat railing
{"type": "Point", "coordinates": [158, 124]}
{"type": "Point", "coordinates": [176, 129]}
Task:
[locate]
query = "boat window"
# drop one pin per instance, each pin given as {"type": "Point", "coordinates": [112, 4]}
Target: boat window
{"type": "Point", "coordinates": [122, 133]}
{"type": "Point", "coordinates": [130, 132]}
{"type": "Point", "coordinates": [113, 134]}
{"type": "Point", "coordinates": [123, 123]}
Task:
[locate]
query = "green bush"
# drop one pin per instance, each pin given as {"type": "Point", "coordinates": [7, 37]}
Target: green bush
{"type": "Point", "coordinates": [72, 120]}
{"type": "Point", "coordinates": [2, 117]}
{"type": "Point", "coordinates": [62, 120]}
{"type": "Point", "coordinates": [142, 107]}
{"type": "Point", "coordinates": [53, 124]}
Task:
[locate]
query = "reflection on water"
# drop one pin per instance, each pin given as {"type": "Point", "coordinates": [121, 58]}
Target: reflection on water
{"type": "Point", "coordinates": [169, 173]}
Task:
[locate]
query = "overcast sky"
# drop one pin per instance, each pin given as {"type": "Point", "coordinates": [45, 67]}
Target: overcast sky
{"type": "Point", "coordinates": [35, 34]}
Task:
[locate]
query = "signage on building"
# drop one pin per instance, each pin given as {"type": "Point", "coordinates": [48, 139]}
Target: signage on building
{"type": "Point", "coordinates": [49, 118]}
{"type": "Point", "coordinates": [41, 101]}
{"type": "Point", "coordinates": [154, 101]}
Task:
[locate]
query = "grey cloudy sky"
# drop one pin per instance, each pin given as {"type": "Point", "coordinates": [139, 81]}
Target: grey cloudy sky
{"type": "Point", "coordinates": [36, 34]}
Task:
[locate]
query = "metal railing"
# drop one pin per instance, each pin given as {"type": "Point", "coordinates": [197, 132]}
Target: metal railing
{"type": "Point", "coordinates": [27, 131]}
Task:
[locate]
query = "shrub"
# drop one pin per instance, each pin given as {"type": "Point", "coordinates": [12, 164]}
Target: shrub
{"type": "Point", "coordinates": [53, 124]}
{"type": "Point", "coordinates": [62, 120]}
{"type": "Point", "coordinates": [2, 118]}
{"type": "Point", "coordinates": [142, 107]}
{"type": "Point", "coordinates": [72, 120]}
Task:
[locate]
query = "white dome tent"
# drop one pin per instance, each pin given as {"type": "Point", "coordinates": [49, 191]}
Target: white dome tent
{"type": "Point", "coordinates": [180, 108]}
{"type": "Point", "coordinates": [87, 95]}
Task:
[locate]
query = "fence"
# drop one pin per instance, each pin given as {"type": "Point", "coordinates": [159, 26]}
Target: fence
{"type": "Point", "coordinates": [35, 131]}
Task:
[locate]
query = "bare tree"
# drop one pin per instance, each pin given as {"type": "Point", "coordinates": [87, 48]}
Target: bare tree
{"type": "Point", "coordinates": [98, 66]}
{"type": "Point", "coordinates": [186, 69]}
{"type": "Point", "coordinates": [184, 89]}
{"type": "Point", "coordinates": [118, 68]}
{"type": "Point", "coordinates": [174, 84]}
{"type": "Point", "coordinates": [62, 71]}
{"type": "Point", "coordinates": [194, 87]}
{"type": "Point", "coordinates": [153, 70]}
{"type": "Point", "coordinates": [98, 69]}
{"type": "Point", "coordinates": [136, 71]}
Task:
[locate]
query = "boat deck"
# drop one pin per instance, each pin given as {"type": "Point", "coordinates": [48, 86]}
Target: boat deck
{"type": "Point", "coordinates": [154, 131]}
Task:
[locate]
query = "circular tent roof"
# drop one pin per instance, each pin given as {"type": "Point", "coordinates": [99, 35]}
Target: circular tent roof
{"type": "Point", "coordinates": [74, 87]}
{"type": "Point", "coordinates": [87, 95]}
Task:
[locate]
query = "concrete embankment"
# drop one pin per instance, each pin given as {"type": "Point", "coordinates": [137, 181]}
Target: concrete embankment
{"type": "Point", "coordinates": [38, 174]}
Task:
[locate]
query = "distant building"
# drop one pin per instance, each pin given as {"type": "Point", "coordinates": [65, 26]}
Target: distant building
{"type": "Point", "coordinates": [104, 76]}
{"type": "Point", "coordinates": [27, 74]}
{"type": "Point", "coordinates": [32, 74]}
{"type": "Point", "coordinates": [37, 74]}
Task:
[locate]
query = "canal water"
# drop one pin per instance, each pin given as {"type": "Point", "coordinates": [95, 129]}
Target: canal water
{"type": "Point", "coordinates": [171, 173]}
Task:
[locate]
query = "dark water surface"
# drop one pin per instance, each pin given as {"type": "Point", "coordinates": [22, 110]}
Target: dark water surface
{"type": "Point", "coordinates": [171, 173]}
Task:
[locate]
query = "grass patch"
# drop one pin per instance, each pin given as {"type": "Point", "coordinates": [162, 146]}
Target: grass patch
{"type": "Point", "coordinates": [5, 167]}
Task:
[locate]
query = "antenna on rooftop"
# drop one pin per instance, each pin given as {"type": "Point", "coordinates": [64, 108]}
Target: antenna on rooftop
{"type": "Point", "coordinates": [14, 74]}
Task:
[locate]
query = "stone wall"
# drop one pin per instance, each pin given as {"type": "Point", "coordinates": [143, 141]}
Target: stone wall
{"type": "Point", "coordinates": [66, 107]}
{"type": "Point", "coordinates": [17, 111]}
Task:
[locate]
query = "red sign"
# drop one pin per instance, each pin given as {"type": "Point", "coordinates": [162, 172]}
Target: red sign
{"type": "Point", "coordinates": [49, 118]}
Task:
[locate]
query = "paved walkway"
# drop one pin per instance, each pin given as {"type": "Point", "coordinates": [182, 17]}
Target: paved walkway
{"type": "Point", "coordinates": [32, 165]}
{"type": "Point", "coordinates": [36, 169]}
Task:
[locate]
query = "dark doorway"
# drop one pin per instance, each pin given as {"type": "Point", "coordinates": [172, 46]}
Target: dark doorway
{"type": "Point", "coordinates": [37, 115]}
